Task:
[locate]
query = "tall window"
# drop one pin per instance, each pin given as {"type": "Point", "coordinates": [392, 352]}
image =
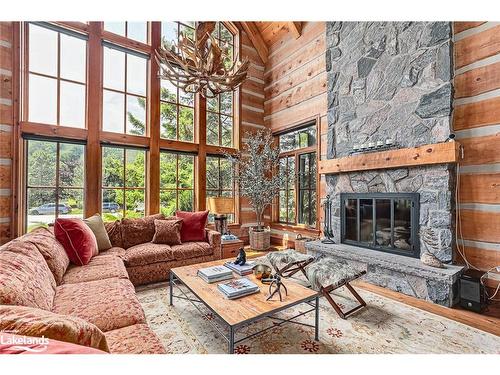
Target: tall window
{"type": "Point", "coordinates": [132, 30]}
{"type": "Point", "coordinates": [297, 197]}
{"type": "Point", "coordinates": [123, 182]}
{"type": "Point", "coordinates": [54, 181]}
{"type": "Point", "coordinates": [220, 181]}
{"type": "Point", "coordinates": [176, 182]}
{"type": "Point", "coordinates": [56, 79]}
{"type": "Point", "coordinates": [124, 94]}
{"type": "Point", "coordinates": [220, 108]}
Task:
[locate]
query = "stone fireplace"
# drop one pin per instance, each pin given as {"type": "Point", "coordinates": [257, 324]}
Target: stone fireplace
{"type": "Point", "coordinates": [391, 83]}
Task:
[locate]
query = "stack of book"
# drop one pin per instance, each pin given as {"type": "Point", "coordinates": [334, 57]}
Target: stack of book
{"type": "Point", "coordinates": [238, 288]}
{"type": "Point", "coordinates": [243, 270]}
{"type": "Point", "coordinates": [215, 273]}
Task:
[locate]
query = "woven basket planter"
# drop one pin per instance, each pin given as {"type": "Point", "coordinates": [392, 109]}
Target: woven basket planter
{"type": "Point", "coordinates": [260, 240]}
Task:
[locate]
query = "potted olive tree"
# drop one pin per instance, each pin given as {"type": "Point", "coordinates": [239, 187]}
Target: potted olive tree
{"type": "Point", "coordinates": [256, 168]}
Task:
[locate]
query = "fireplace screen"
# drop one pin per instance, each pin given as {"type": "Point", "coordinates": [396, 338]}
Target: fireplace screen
{"type": "Point", "coordinates": [381, 221]}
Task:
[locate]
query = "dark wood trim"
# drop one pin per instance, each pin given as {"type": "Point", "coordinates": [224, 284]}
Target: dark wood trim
{"type": "Point", "coordinates": [58, 131]}
{"type": "Point", "coordinates": [200, 120]}
{"type": "Point", "coordinates": [153, 161]}
{"type": "Point", "coordinates": [78, 26]}
{"type": "Point", "coordinates": [126, 42]}
{"type": "Point", "coordinates": [93, 174]}
{"type": "Point", "coordinates": [17, 216]}
{"type": "Point", "coordinates": [124, 139]}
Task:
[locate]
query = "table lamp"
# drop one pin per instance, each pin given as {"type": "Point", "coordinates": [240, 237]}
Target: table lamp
{"type": "Point", "coordinates": [220, 207]}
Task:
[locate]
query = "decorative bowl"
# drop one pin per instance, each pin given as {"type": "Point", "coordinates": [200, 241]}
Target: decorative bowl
{"type": "Point", "coordinates": [262, 271]}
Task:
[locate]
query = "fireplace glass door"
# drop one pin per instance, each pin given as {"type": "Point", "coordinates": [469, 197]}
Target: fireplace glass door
{"type": "Point", "coordinates": [381, 221]}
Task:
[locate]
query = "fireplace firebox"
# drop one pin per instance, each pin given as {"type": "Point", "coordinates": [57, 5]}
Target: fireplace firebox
{"type": "Point", "coordinates": [385, 222]}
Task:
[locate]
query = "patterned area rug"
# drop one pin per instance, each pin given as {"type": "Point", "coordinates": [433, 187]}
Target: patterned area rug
{"type": "Point", "coordinates": [384, 326]}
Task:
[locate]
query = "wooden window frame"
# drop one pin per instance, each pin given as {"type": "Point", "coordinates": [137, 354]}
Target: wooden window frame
{"type": "Point", "coordinates": [126, 94]}
{"type": "Point", "coordinates": [26, 72]}
{"type": "Point", "coordinates": [315, 120]}
{"type": "Point", "coordinates": [177, 189]}
{"type": "Point", "coordinates": [93, 135]}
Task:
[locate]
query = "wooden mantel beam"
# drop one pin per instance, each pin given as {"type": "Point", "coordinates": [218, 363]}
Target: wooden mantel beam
{"type": "Point", "coordinates": [296, 28]}
{"type": "Point", "coordinates": [439, 153]}
{"type": "Point", "coordinates": [257, 40]}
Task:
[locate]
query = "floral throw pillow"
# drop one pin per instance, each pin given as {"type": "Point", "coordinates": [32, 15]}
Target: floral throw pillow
{"type": "Point", "coordinates": [168, 232]}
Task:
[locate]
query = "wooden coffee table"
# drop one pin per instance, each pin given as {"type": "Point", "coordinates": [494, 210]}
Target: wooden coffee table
{"type": "Point", "coordinates": [243, 311]}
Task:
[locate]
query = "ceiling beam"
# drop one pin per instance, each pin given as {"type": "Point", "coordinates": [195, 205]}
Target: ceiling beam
{"type": "Point", "coordinates": [254, 35]}
{"type": "Point", "coordinates": [296, 28]}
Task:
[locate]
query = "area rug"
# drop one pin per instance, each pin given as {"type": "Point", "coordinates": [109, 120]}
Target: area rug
{"type": "Point", "coordinates": [384, 326]}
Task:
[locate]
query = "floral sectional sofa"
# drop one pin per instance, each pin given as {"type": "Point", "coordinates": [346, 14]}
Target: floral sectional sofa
{"type": "Point", "coordinates": [94, 305]}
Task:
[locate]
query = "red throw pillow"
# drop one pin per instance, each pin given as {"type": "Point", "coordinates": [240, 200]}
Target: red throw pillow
{"type": "Point", "coordinates": [193, 225]}
{"type": "Point", "coordinates": [77, 239]}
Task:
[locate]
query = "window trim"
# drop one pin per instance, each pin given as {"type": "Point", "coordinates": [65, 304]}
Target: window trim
{"type": "Point", "coordinates": [315, 120]}
{"type": "Point", "coordinates": [26, 72]}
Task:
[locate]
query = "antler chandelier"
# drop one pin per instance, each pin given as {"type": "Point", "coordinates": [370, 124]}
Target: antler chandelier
{"type": "Point", "coordinates": [198, 66]}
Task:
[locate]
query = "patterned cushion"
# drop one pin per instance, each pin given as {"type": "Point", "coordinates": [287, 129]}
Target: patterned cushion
{"type": "Point", "coordinates": [109, 304]}
{"type": "Point", "coordinates": [190, 250]}
{"type": "Point", "coordinates": [25, 277]}
{"type": "Point", "coordinates": [137, 231]}
{"type": "Point", "coordinates": [51, 249]}
{"type": "Point", "coordinates": [116, 251]}
{"type": "Point", "coordinates": [331, 272]}
{"type": "Point", "coordinates": [167, 232]}
{"type": "Point", "coordinates": [99, 268]}
{"type": "Point", "coordinates": [146, 253]}
{"type": "Point", "coordinates": [136, 339]}
{"type": "Point", "coordinates": [159, 272]}
{"type": "Point", "coordinates": [34, 322]}
{"type": "Point", "coordinates": [114, 230]}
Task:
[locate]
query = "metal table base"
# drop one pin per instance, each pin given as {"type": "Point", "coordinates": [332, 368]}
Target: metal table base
{"type": "Point", "coordinates": [230, 336]}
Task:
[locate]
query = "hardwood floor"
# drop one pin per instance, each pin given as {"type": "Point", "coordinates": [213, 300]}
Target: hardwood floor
{"type": "Point", "coordinates": [488, 321]}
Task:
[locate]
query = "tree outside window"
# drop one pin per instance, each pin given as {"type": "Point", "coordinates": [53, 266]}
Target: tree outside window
{"type": "Point", "coordinates": [123, 182]}
{"type": "Point", "coordinates": [55, 181]}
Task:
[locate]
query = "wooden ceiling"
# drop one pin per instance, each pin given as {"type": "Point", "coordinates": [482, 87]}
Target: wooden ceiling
{"type": "Point", "coordinates": [265, 34]}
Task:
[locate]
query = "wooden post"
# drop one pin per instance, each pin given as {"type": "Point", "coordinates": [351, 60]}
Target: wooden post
{"type": "Point", "coordinates": [93, 180]}
{"type": "Point", "coordinates": [153, 165]}
{"type": "Point", "coordinates": [200, 119]}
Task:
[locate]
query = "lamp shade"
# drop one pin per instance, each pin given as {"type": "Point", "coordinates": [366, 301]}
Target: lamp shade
{"type": "Point", "coordinates": [220, 205]}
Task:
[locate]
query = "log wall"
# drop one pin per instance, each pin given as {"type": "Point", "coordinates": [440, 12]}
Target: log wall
{"type": "Point", "coordinates": [476, 122]}
{"type": "Point", "coordinates": [6, 131]}
{"type": "Point", "coordinates": [295, 91]}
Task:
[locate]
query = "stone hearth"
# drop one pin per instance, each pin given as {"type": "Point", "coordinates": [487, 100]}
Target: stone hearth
{"type": "Point", "coordinates": [396, 272]}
